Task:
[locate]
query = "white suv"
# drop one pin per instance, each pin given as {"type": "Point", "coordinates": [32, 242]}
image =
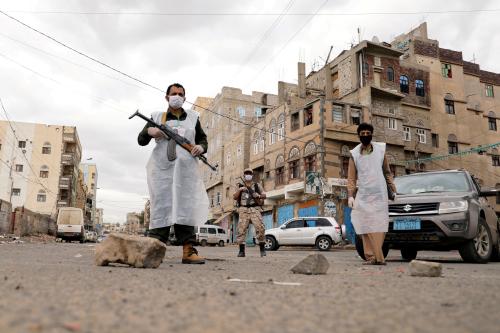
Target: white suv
{"type": "Point", "coordinates": [321, 232]}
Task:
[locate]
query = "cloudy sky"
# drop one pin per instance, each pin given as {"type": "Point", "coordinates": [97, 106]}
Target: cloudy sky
{"type": "Point", "coordinates": [203, 44]}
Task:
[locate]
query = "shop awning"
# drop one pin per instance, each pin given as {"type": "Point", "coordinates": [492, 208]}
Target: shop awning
{"type": "Point", "coordinates": [222, 217]}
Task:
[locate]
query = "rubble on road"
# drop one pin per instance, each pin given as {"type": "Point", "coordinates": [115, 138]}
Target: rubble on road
{"type": "Point", "coordinates": [38, 238]}
{"type": "Point", "coordinates": [425, 268]}
{"type": "Point", "coordinates": [312, 265]}
{"type": "Point", "coordinates": [266, 282]}
{"type": "Point", "coordinates": [140, 252]}
{"type": "Point", "coordinates": [10, 239]}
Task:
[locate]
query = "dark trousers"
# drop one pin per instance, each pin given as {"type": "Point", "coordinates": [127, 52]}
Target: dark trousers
{"type": "Point", "coordinates": [183, 233]}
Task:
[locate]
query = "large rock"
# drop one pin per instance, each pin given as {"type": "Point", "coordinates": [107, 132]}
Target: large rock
{"type": "Point", "coordinates": [140, 252]}
{"type": "Point", "coordinates": [312, 265]}
{"type": "Point", "coordinates": [425, 268]}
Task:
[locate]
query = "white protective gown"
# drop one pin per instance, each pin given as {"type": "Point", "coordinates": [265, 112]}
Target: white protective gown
{"type": "Point", "coordinates": [371, 206]}
{"type": "Point", "coordinates": [177, 192]}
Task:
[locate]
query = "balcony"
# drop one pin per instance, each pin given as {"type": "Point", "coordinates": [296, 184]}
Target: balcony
{"type": "Point", "coordinates": [63, 203]}
{"type": "Point", "coordinates": [68, 159]}
{"type": "Point", "coordinates": [65, 182]}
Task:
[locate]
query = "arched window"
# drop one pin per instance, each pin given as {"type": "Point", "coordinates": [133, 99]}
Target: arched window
{"type": "Point", "coordinates": [46, 149]}
{"type": "Point", "coordinates": [390, 74]}
{"type": "Point", "coordinates": [293, 163]}
{"type": "Point", "coordinates": [310, 157]}
{"type": "Point", "coordinates": [280, 170]}
{"type": "Point", "coordinates": [449, 104]}
{"type": "Point", "coordinates": [404, 84]}
{"type": "Point", "coordinates": [272, 132]}
{"type": "Point", "coordinates": [240, 111]}
{"type": "Point", "coordinates": [44, 171]}
{"type": "Point", "coordinates": [281, 127]}
{"type": "Point", "coordinates": [419, 88]}
{"type": "Point", "coordinates": [294, 153]}
{"type": "Point", "coordinates": [42, 196]}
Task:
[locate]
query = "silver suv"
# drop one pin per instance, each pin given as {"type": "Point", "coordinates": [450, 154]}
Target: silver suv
{"type": "Point", "coordinates": [442, 211]}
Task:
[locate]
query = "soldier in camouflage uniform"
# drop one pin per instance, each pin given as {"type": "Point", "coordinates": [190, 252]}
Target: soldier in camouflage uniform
{"type": "Point", "coordinates": [250, 197]}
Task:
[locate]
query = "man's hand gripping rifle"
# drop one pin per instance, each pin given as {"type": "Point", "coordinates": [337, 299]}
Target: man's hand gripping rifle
{"type": "Point", "coordinates": [169, 132]}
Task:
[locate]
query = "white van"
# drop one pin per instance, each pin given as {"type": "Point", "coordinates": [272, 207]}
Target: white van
{"type": "Point", "coordinates": [211, 234]}
{"type": "Point", "coordinates": [70, 224]}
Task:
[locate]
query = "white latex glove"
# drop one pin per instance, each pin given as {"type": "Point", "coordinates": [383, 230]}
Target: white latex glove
{"type": "Point", "coordinates": [350, 202]}
{"type": "Point", "coordinates": [197, 150]}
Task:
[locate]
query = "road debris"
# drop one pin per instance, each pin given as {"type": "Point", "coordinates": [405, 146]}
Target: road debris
{"type": "Point", "coordinates": [313, 264]}
{"type": "Point", "coordinates": [266, 282]}
{"type": "Point", "coordinates": [425, 268]}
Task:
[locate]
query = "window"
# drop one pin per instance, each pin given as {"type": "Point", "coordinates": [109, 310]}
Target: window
{"type": "Point", "coordinates": [221, 231]}
{"type": "Point", "coordinates": [421, 135]}
{"type": "Point", "coordinates": [449, 104]}
{"type": "Point", "coordinates": [46, 149]}
{"type": "Point", "coordinates": [489, 90]}
{"type": "Point", "coordinates": [268, 174]}
{"type": "Point", "coordinates": [16, 192]}
{"type": "Point", "coordinates": [258, 112]}
{"type": "Point", "coordinates": [403, 84]}
{"type": "Point", "coordinates": [294, 121]}
{"type": "Point", "coordinates": [203, 230]}
{"type": "Point", "coordinates": [446, 70]}
{"type": "Point", "coordinates": [256, 146]}
{"type": "Point", "coordinates": [295, 224]}
{"type": "Point", "coordinates": [323, 223]}
{"type": "Point", "coordinates": [310, 163]}
{"type": "Point", "coordinates": [419, 88]}
{"type": "Point", "coordinates": [272, 136]}
{"type": "Point", "coordinates": [22, 144]}
{"type": "Point", "coordinates": [19, 168]}
{"type": "Point", "coordinates": [281, 127]}
{"type": "Point", "coordinates": [338, 114]}
{"type": "Point", "coordinates": [495, 159]}
{"type": "Point", "coordinates": [308, 116]}
{"type": "Point", "coordinates": [241, 111]}
{"type": "Point", "coordinates": [218, 199]}
{"type": "Point", "coordinates": [492, 121]}
{"type": "Point", "coordinates": [44, 174]}
{"type": "Point", "coordinates": [212, 231]}
{"type": "Point", "coordinates": [392, 123]}
{"type": "Point", "coordinates": [280, 176]}
{"type": "Point", "coordinates": [355, 116]}
{"type": "Point", "coordinates": [41, 197]}
{"type": "Point", "coordinates": [452, 147]}
{"type": "Point", "coordinates": [293, 168]}
{"type": "Point", "coordinates": [390, 74]}
{"type": "Point", "coordinates": [261, 142]}
{"type": "Point", "coordinates": [435, 140]}
{"type": "Point", "coordinates": [406, 134]}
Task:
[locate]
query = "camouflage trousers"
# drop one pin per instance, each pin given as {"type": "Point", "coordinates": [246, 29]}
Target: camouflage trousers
{"type": "Point", "coordinates": [250, 215]}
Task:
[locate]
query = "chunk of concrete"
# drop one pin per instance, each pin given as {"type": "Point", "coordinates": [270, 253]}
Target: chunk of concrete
{"type": "Point", "coordinates": [425, 268]}
{"type": "Point", "coordinates": [140, 252]}
{"type": "Point", "coordinates": [312, 265]}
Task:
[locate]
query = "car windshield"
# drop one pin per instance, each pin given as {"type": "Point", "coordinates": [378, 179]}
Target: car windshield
{"type": "Point", "coordinates": [432, 182]}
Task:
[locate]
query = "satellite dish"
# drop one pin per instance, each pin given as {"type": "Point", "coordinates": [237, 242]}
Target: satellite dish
{"type": "Point", "coordinates": [375, 40]}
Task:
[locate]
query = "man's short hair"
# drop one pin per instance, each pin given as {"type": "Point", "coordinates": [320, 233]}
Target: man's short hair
{"type": "Point", "coordinates": [365, 127]}
{"type": "Point", "coordinates": [178, 85]}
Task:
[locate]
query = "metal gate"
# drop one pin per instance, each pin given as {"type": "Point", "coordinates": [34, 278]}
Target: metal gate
{"type": "Point", "coordinates": [284, 214]}
{"type": "Point", "coordinates": [308, 211]}
{"type": "Point", "coordinates": [268, 220]}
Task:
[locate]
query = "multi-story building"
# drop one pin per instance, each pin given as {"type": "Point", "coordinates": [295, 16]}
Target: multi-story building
{"type": "Point", "coordinates": [133, 224]}
{"type": "Point", "coordinates": [99, 216]}
{"type": "Point", "coordinates": [39, 166]}
{"type": "Point", "coordinates": [89, 171]}
{"type": "Point", "coordinates": [229, 144]}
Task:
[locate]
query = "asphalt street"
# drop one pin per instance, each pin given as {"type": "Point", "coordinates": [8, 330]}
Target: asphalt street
{"type": "Point", "coordinates": [56, 287]}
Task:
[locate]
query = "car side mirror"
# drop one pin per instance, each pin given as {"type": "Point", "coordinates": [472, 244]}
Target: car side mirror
{"type": "Point", "coordinates": [283, 227]}
{"type": "Point", "coordinates": [489, 193]}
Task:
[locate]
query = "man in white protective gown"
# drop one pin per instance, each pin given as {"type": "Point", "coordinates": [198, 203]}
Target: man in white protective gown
{"type": "Point", "coordinates": [369, 178]}
{"type": "Point", "coordinates": [177, 193]}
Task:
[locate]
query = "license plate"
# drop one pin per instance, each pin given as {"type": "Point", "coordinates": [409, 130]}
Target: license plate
{"type": "Point", "coordinates": [406, 224]}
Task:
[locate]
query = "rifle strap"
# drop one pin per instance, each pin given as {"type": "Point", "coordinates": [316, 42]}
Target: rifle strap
{"type": "Point", "coordinates": [172, 145]}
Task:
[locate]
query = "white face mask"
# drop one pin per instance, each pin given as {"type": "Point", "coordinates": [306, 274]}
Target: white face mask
{"type": "Point", "coordinates": [248, 177]}
{"type": "Point", "coordinates": [175, 101]}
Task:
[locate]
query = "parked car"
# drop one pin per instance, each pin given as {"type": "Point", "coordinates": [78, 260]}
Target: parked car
{"type": "Point", "coordinates": [211, 234]}
{"type": "Point", "coordinates": [90, 236]}
{"type": "Point", "coordinates": [322, 232]}
{"type": "Point", "coordinates": [70, 224]}
{"type": "Point", "coordinates": [442, 211]}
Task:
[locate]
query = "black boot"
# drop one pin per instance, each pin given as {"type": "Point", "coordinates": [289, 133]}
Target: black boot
{"type": "Point", "coordinates": [262, 250]}
{"type": "Point", "coordinates": [242, 250]}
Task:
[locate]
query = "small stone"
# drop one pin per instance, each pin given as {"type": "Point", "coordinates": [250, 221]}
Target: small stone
{"type": "Point", "coordinates": [312, 265]}
{"type": "Point", "coordinates": [18, 287]}
{"type": "Point", "coordinates": [72, 327]}
{"type": "Point", "coordinates": [232, 293]}
{"type": "Point", "coordinates": [425, 268]}
{"type": "Point", "coordinates": [140, 252]}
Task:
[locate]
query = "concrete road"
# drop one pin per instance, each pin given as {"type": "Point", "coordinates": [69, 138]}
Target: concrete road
{"type": "Point", "coordinates": [56, 288]}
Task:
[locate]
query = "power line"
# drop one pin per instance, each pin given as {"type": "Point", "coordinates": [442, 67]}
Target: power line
{"type": "Point", "coordinates": [201, 13]}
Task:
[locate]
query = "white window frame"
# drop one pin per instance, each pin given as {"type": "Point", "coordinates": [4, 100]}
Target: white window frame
{"type": "Point", "coordinates": [261, 144]}
{"type": "Point", "coordinates": [392, 121]}
{"type": "Point", "coordinates": [272, 136]}
{"type": "Point", "coordinates": [338, 110]}
{"type": "Point", "coordinates": [422, 136]}
{"type": "Point", "coordinates": [487, 90]}
{"type": "Point", "coordinates": [256, 146]}
{"type": "Point", "coordinates": [281, 131]}
{"type": "Point", "coordinates": [406, 133]}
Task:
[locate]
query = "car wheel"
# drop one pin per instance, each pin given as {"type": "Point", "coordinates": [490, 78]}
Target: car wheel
{"type": "Point", "coordinates": [408, 254]}
{"type": "Point", "coordinates": [221, 243]}
{"type": "Point", "coordinates": [361, 251]}
{"type": "Point", "coordinates": [270, 244]}
{"type": "Point", "coordinates": [323, 243]}
{"type": "Point", "coordinates": [478, 250]}
{"type": "Point", "coordinates": [203, 242]}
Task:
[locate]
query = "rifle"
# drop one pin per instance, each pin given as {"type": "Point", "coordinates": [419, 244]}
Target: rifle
{"type": "Point", "coordinates": [169, 132]}
{"type": "Point", "coordinates": [258, 201]}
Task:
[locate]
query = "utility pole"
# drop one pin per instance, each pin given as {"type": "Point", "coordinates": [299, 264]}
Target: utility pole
{"type": "Point", "coordinates": [11, 179]}
{"type": "Point", "coordinates": [323, 151]}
